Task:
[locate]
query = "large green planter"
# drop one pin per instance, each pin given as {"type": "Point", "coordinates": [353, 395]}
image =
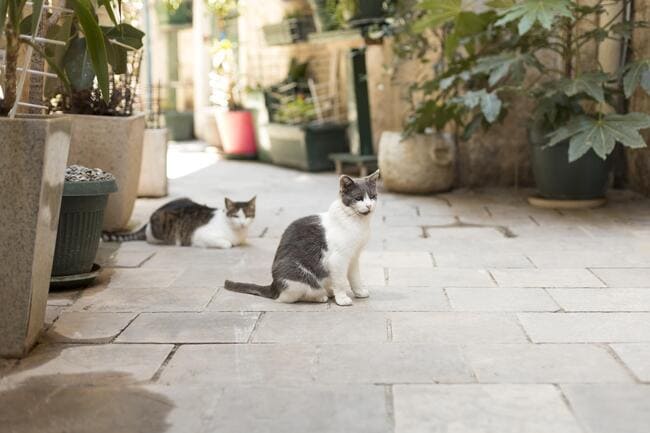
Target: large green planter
{"type": "Point", "coordinates": [180, 125]}
{"type": "Point", "coordinates": [80, 226]}
{"type": "Point", "coordinates": [177, 17]}
{"type": "Point", "coordinates": [306, 147]}
{"type": "Point", "coordinates": [558, 179]}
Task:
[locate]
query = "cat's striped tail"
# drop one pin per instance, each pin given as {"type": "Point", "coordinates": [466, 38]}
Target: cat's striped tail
{"type": "Point", "coordinates": [138, 235]}
{"type": "Point", "coordinates": [252, 289]}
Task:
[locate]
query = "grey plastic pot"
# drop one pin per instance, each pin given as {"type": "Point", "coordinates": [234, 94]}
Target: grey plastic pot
{"type": "Point", "coordinates": [80, 226]}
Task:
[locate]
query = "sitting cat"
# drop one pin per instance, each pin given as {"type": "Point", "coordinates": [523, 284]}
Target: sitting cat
{"type": "Point", "coordinates": [186, 223]}
{"type": "Point", "coordinates": [318, 255]}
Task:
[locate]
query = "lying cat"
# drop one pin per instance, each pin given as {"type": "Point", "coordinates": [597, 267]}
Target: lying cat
{"type": "Point", "coordinates": [318, 255]}
{"type": "Point", "coordinates": [186, 223]}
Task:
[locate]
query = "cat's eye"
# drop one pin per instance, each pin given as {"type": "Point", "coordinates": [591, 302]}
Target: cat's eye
{"type": "Point", "coordinates": [372, 196]}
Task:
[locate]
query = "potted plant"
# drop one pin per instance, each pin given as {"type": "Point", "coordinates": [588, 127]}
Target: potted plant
{"type": "Point", "coordinates": [85, 195]}
{"type": "Point", "coordinates": [106, 132]}
{"type": "Point", "coordinates": [33, 152]}
{"type": "Point", "coordinates": [153, 174]}
{"type": "Point", "coordinates": [299, 141]}
{"type": "Point", "coordinates": [579, 114]}
{"type": "Point", "coordinates": [236, 123]}
{"type": "Point", "coordinates": [444, 108]}
{"type": "Point", "coordinates": [174, 12]}
{"type": "Point", "coordinates": [358, 13]}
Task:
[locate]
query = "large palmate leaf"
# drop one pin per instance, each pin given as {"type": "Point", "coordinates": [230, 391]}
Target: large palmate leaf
{"type": "Point", "coordinates": [528, 12]}
{"type": "Point", "coordinates": [590, 83]}
{"type": "Point", "coordinates": [437, 13]}
{"type": "Point", "coordinates": [635, 73]}
{"type": "Point", "coordinates": [500, 65]}
{"type": "Point", "coordinates": [489, 102]}
{"type": "Point", "coordinates": [94, 42]}
{"type": "Point", "coordinates": [602, 134]}
{"type": "Point", "coordinates": [116, 40]}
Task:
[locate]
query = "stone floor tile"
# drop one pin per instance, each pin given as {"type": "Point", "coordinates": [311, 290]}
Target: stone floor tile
{"type": "Point", "coordinates": [389, 363]}
{"type": "Point", "coordinates": [334, 326]}
{"type": "Point", "coordinates": [400, 298]}
{"type": "Point", "coordinates": [142, 278]}
{"type": "Point", "coordinates": [283, 364]}
{"type": "Point", "coordinates": [456, 328]}
{"type": "Point", "coordinates": [637, 358]}
{"type": "Point", "coordinates": [88, 327]}
{"type": "Point", "coordinates": [478, 260]}
{"type": "Point", "coordinates": [207, 327]}
{"type": "Point", "coordinates": [89, 363]}
{"type": "Point", "coordinates": [154, 299]}
{"type": "Point", "coordinates": [215, 276]}
{"type": "Point", "coordinates": [111, 255]}
{"type": "Point", "coordinates": [270, 409]}
{"type": "Point", "coordinates": [62, 298]}
{"type": "Point", "coordinates": [545, 278]}
{"type": "Point", "coordinates": [544, 363]}
{"type": "Point", "coordinates": [500, 299]}
{"type": "Point", "coordinates": [623, 408]}
{"type": "Point", "coordinates": [602, 299]}
{"type": "Point", "coordinates": [586, 327]}
{"type": "Point", "coordinates": [230, 301]}
{"type": "Point", "coordinates": [373, 275]}
{"type": "Point", "coordinates": [621, 277]}
{"type": "Point", "coordinates": [584, 258]}
{"type": "Point", "coordinates": [439, 277]}
{"type": "Point", "coordinates": [396, 259]}
{"type": "Point", "coordinates": [481, 408]}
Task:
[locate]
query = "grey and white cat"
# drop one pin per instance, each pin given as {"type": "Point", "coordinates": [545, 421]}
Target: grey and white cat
{"type": "Point", "coordinates": [318, 255]}
{"type": "Point", "coordinates": [185, 223]}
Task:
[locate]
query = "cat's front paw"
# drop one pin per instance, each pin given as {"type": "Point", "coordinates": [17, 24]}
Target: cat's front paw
{"type": "Point", "coordinates": [361, 292]}
{"type": "Point", "coordinates": [343, 300]}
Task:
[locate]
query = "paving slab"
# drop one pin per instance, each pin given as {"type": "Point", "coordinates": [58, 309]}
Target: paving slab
{"type": "Point", "coordinates": [153, 299]}
{"type": "Point", "coordinates": [334, 326]}
{"type": "Point", "coordinates": [226, 300]}
{"type": "Point", "coordinates": [403, 298]}
{"type": "Point", "coordinates": [456, 328]}
{"type": "Point", "coordinates": [637, 358]}
{"type": "Point", "coordinates": [89, 363]}
{"type": "Point", "coordinates": [396, 259]}
{"type": "Point", "coordinates": [602, 299]}
{"type": "Point", "coordinates": [500, 299]}
{"type": "Point", "coordinates": [206, 327]}
{"type": "Point", "coordinates": [88, 327]}
{"type": "Point", "coordinates": [544, 363]}
{"type": "Point", "coordinates": [141, 278]}
{"type": "Point", "coordinates": [624, 277]}
{"type": "Point", "coordinates": [481, 408]}
{"type": "Point", "coordinates": [583, 258]}
{"type": "Point", "coordinates": [545, 278]}
{"type": "Point", "coordinates": [611, 408]}
{"type": "Point", "coordinates": [439, 277]}
{"type": "Point", "coordinates": [480, 260]}
{"type": "Point", "coordinates": [586, 327]}
{"type": "Point", "coordinates": [267, 409]}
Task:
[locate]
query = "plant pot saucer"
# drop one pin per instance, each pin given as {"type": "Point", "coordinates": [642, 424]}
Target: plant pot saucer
{"type": "Point", "coordinates": [238, 156]}
{"type": "Point", "coordinates": [548, 203]}
{"type": "Point", "coordinates": [75, 281]}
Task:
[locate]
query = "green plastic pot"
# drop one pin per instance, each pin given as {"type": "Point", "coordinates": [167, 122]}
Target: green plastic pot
{"type": "Point", "coordinates": [180, 125]}
{"type": "Point", "coordinates": [558, 179]}
{"type": "Point", "coordinates": [181, 16]}
{"type": "Point", "coordinates": [80, 226]}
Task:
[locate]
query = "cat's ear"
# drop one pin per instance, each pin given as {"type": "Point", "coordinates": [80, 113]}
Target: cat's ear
{"type": "Point", "coordinates": [229, 203]}
{"type": "Point", "coordinates": [373, 177]}
{"type": "Point", "coordinates": [345, 182]}
{"type": "Point", "coordinates": [252, 201]}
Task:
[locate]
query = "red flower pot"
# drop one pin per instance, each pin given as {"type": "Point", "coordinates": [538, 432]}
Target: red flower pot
{"type": "Point", "coordinates": [237, 133]}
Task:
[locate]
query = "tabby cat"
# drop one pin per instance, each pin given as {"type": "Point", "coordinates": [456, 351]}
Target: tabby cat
{"type": "Point", "coordinates": [318, 255]}
{"type": "Point", "coordinates": [186, 223]}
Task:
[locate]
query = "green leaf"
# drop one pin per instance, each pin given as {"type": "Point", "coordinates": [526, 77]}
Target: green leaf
{"type": "Point", "coordinates": [601, 135]}
{"type": "Point", "coordinates": [125, 34]}
{"type": "Point", "coordinates": [590, 83]}
{"type": "Point", "coordinates": [94, 43]}
{"type": "Point", "coordinates": [528, 12]}
{"type": "Point", "coordinates": [491, 106]}
{"type": "Point", "coordinates": [436, 13]}
{"type": "Point", "coordinates": [636, 72]}
{"type": "Point", "coordinates": [78, 65]}
{"type": "Point", "coordinates": [37, 5]}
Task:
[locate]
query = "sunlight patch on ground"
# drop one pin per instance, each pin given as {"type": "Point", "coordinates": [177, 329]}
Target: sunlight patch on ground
{"type": "Point", "coordinates": [189, 157]}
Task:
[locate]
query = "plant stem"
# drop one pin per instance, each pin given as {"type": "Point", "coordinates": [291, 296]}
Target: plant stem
{"type": "Point", "coordinates": [568, 54]}
{"type": "Point", "coordinates": [11, 36]}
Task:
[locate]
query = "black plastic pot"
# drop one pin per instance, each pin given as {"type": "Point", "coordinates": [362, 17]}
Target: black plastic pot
{"type": "Point", "coordinates": [306, 147]}
{"type": "Point", "coordinates": [368, 12]}
{"type": "Point", "coordinates": [556, 178]}
{"type": "Point", "coordinates": [80, 226]}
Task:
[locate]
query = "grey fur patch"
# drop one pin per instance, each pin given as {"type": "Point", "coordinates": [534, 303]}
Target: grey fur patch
{"type": "Point", "coordinates": [176, 221]}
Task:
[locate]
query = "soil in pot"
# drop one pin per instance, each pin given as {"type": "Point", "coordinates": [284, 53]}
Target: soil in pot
{"type": "Point", "coordinates": [85, 195]}
{"type": "Point", "coordinates": [556, 178]}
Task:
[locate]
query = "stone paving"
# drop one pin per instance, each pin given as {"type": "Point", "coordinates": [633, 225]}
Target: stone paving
{"type": "Point", "coordinates": [485, 316]}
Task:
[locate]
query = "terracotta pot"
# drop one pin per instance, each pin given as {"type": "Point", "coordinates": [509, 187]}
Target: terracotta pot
{"type": "Point", "coordinates": [113, 144]}
{"type": "Point", "coordinates": [237, 132]}
{"type": "Point", "coordinates": [33, 153]}
{"type": "Point", "coordinates": [420, 164]}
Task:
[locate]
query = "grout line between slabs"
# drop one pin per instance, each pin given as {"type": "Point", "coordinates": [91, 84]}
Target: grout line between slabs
{"type": "Point", "coordinates": [597, 277]}
{"type": "Point", "coordinates": [167, 360]}
{"type": "Point", "coordinates": [609, 349]}
{"type": "Point", "coordinates": [390, 407]}
{"type": "Point", "coordinates": [255, 326]}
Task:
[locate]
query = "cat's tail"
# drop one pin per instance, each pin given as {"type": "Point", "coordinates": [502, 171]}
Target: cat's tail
{"type": "Point", "coordinates": [138, 235]}
{"type": "Point", "coordinates": [252, 289]}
